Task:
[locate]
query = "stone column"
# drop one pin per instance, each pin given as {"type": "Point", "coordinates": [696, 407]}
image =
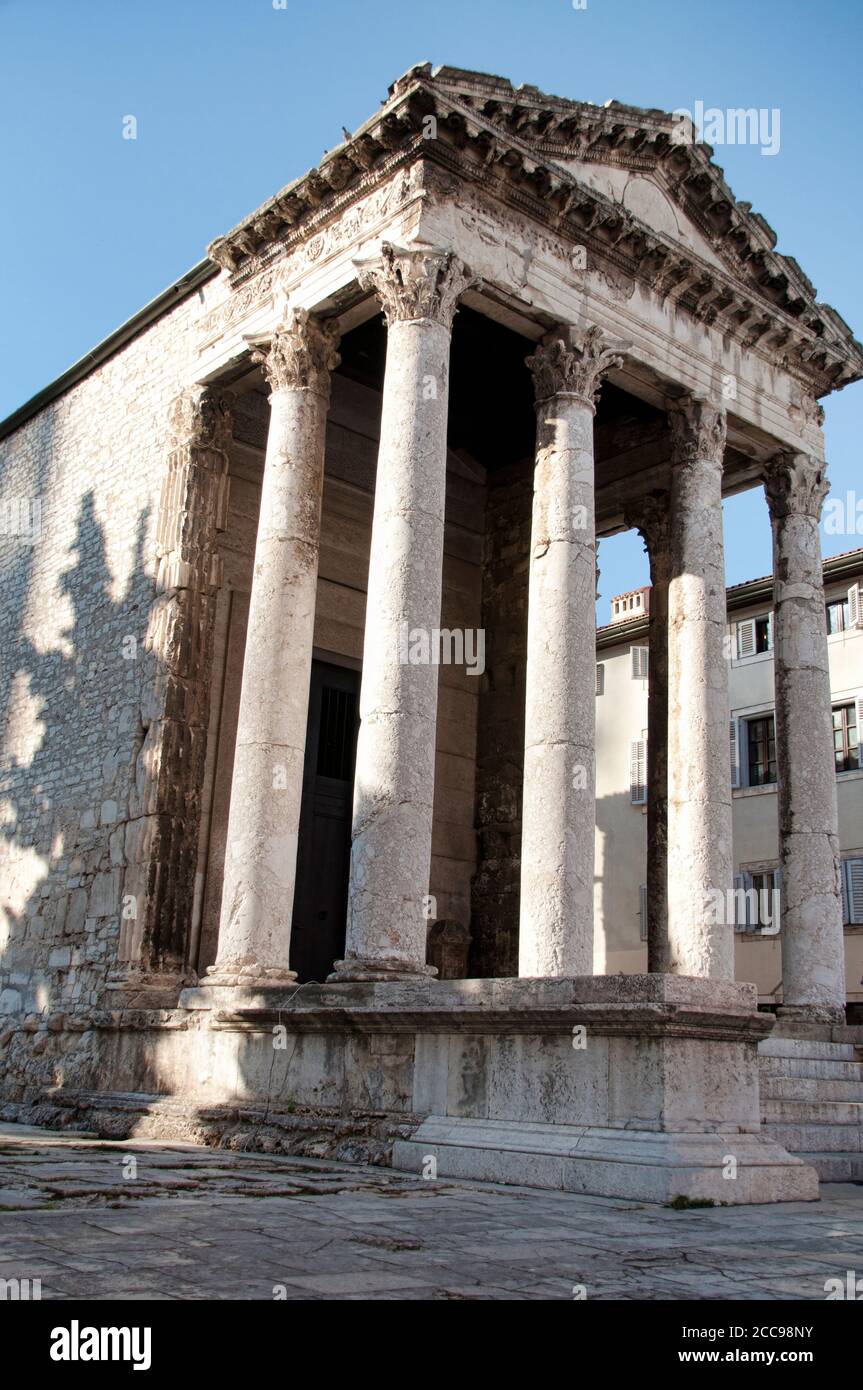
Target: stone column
{"type": "Point", "coordinates": [558, 815]}
{"type": "Point", "coordinates": [813, 953]}
{"type": "Point", "coordinates": [652, 518]}
{"type": "Point", "coordinates": [418, 287]}
{"type": "Point", "coordinates": [700, 929]}
{"type": "Point", "coordinates": [263, 822]}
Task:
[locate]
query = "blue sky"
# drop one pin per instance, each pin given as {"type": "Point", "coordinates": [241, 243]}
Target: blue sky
{"type": "Point", "coordinates": [234, 98]}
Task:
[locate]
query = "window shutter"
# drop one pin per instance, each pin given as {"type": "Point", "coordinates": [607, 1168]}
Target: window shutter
{"type": "Point", "coordinates": [859, 703]}
{"type": "Point", "coordinates": [843, 889]}
{"type": "Point", "coordinates": [735, 753]}
{"type": "Point", "coordinates": [770, 631]}
{"type": "Point", "coordinates": [600, 679]}
{"type": "Point", "coordinates": [776, 924]}
{"type": "Point", "coordinates": [854, 606]}
{"type": "Point", "coordinates": [642, 910]}
{"type": "Point", "coordinates": [739, 884]}
{"type": "Point", "coordinates": [746, 637]}
{"type": "Point", "coordinates": [638, 771]}
{"type": "Point", "coordinates": [854, 872]}
{"type": "Point", "coordinates": [639, 663]}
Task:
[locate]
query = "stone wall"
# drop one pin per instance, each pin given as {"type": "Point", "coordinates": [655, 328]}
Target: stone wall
{"type": "Point", "coordinates": [84, 635]}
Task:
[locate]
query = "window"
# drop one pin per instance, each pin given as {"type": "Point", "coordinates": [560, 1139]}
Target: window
{"type": "Point", "coordinates": [755, 635]}
{"type": "Point", "coordinates": [837, 616]}
{"type": "Point", "coordinates": [639, 663]}
{"type": "Point", "coordinates": [761, 750]}
{"type": "Point", "coordinates": [756, 901]}
{"type": "Point", "coordinates": [851, 879]}
{"type": "Point", "coordinates": [846, 737]}
{"type": "Point", "coordinates": [600, 679]}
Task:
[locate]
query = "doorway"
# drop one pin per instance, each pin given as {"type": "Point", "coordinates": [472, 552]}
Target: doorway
{"type": "Point", "coordinates": [323, 851]}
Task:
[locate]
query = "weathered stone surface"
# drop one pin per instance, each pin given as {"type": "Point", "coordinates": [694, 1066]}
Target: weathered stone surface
{"type": "Point", "coordinates": [394, 779]}
{"type": "Point", "coordinates": [700, 939]}
{"type": "Point", "coordinates": [813, 953]}
{"type": "Point", "coordinates": [557, 836]}
{"type": "Point", "coordinates": [261, 852]}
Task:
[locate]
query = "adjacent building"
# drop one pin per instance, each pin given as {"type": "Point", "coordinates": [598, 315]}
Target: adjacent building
{"type": "Point", "coordinates": [622, 676]}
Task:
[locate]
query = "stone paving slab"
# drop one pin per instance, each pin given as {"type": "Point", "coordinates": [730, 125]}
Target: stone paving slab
{"type": "Point", "coordinates": [196, 1223]}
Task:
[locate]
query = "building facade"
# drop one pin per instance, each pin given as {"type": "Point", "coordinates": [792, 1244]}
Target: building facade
{"type": "Point", "coordinates": [621, 778]}
{"type": "Point", "coordinates": [298, 610]}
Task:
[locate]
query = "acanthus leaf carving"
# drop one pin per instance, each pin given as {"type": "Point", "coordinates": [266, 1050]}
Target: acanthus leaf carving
{"type": "Point", "coordinates": [415, 282]}
{"type": "Point", "coordinates": [698, 430]}
{"type": "Point", "coordinates": [300, 354]}
{"type": "Point", "coordinates": [795, 483]}
{"type": "Point", "coordinates": [571, 361]}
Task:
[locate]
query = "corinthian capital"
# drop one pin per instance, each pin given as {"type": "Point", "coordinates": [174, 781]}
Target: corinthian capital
{"type": "Point", "coordinates": [573, 362]}
{"type": "Point", "coordinates": [795, 484]}
{"type": "Point", "coordinates": [697, 430]}
{"type": "Point", "coordinates": [415, 282]}
{"type": "Point", "coordinates": [200, 418]}
{"type": "Point", "coordinates": [300, 354]}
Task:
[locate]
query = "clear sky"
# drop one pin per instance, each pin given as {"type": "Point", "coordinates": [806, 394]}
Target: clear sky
{"type": "Point", "coordinates": [234, 98]}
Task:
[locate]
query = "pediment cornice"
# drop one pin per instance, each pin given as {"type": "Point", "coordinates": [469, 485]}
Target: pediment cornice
{"type": "Point", "coordinates": [515, 144]}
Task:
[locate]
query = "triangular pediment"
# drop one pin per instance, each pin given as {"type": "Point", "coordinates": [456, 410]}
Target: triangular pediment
{"type": "Point", "coordinates": [614, 178]}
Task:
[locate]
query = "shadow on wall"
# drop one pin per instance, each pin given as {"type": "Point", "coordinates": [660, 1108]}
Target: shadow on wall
{"type": "Point", "coordinates": [70, 734]}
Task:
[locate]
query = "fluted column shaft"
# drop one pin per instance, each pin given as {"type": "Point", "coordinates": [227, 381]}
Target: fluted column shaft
{"type": "Point", "coordinates": [264, 817]}
{"type": "Point", "coordinates": [387, 922]}
{"type": "Point", "coordinates": [558, 809]}
{"type": "Point", "coordinates": [700, 927]}
{"type": "Point", "coordinates": [813, 954]}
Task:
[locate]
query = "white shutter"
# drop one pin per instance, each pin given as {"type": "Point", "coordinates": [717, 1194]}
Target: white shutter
{"type": "Point", "coordinates": [639, 663]}
{"type": "Point", "coordinates": [642, 910]}
{"type": "Point", "coordinates": [600, 679]}
{"type": "Point", "coordinates": [770, 631]}
{"type": "Point", "coordinates": [854, 879]}
{"type": "Point", "coordinates": [776, 924]}
{"type": "Point", "coordinates": [638, 771]}
{"type": "Point", "coordinates": [859, 706]}
{"type": "Point", "coordinates": [843, 890]}
{"type": "Point", "coordinates": [735, 753]}
{"type": "Point", "coordinates": [738, 882]}
{"type": "Point", "coordinates": [854, 606]}
{"type": "Point", "coordinates": [746, 637]}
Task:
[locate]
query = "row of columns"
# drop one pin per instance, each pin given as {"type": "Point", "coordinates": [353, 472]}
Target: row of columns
{"type": "Point", "coordinates": [688, 771]}
{"type": "Point", "coordinates": [688, 774]}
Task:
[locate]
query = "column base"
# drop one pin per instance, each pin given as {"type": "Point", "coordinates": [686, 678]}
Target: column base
{"type": "Point", "coordinates": [812, 1013]}
{"type": "Point", "coordinates": [250, 975]}
{"type": "Point", "coordinates": [357, 969]}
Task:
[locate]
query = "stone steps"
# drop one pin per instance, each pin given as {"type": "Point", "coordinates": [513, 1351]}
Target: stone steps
{"type": "Point", "coordinates": [803, 1048]}
{"type": "Point", "coordinates": [812, 1102]}
{"type": "Point", "coordinates": [820, 1112]}
{"type": "Point", "coordinates": [809, 1068]}
{"type": "Point", "coordinates": [815, 1137]}
{"type": "Point", "coordinates": [836, 1167]}
{"type": "Point", "coordinates": [810, 1088]}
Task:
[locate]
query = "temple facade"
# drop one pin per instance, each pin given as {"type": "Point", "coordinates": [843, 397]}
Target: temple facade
{"type": "Point", "coordinates": [299, 573]}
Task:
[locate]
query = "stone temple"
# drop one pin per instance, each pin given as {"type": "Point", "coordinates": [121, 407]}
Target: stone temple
{"type": "Point", "coordinates": [298, 582]}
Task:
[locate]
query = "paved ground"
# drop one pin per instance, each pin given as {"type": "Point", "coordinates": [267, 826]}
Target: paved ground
{"type": "Point", "coordinates": [182, 1222]}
